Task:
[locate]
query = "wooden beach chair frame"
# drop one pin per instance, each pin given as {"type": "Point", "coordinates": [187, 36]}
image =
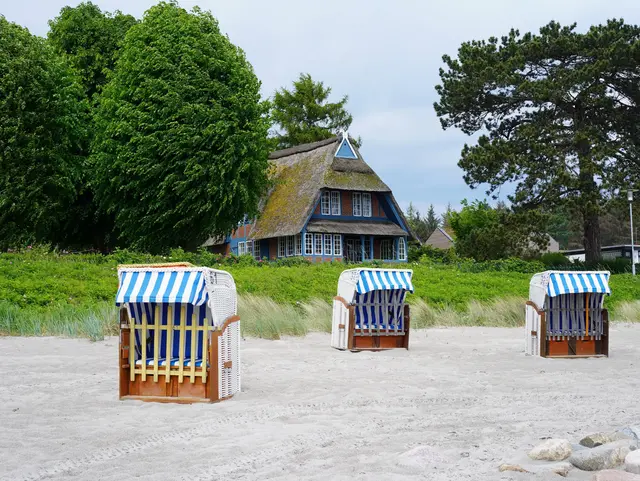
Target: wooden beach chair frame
{"type": "Point", "coordinates": [213, 377]}
{"type": "Point", "coordinates": [347, 334]}
{"type": "Point", "coordinates": [583, 304]}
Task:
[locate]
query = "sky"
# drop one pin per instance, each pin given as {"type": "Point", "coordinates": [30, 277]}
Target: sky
{"type": "Point", "coordinates": [385, 55]}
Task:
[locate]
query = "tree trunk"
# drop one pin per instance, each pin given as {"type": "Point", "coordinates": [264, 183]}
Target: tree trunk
{"type": "Point", "coordinates": [591, 239]}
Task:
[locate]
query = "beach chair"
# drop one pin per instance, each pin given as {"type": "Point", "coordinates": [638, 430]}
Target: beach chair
{"type": "Point", "coordinates": [565, 315]}
{"type": "Point", "coordinates": [179, 333]}
{"type": "Point", "coordinates": [369, 312]}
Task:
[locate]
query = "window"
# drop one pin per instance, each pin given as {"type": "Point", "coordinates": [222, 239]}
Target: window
{"type": "Point", "coordinates": [281, 247]}
{"type": "Point", "coordinates": [337, 245]}
{"type": "Point", "coordinates": [386, 249]}
{"type": "Point", "coordinates": [298, 245]}
{"type": "Point", "coordinates": [242, 248]}
{"type": "Point", "coordinates": [336, 208]}
{"type": "Point", "coordinates": [256, 250]}
{"type": "Point", "coordinates": [308, 244]}
{"type": "Point", "coordinates": [402, 252]}
{"type": "Point", "coordinates": [328, 244]}
{"type": "Point", "coordinates": [318, 244]}
{"type": "Point", "coordinates": [366, 205]}
{"type": "Point", "coordinates": [325, 204]}
{"type": "Point", "coordinates": [357, 204]}
{"type": "Point", "coordinates": [290, 245]}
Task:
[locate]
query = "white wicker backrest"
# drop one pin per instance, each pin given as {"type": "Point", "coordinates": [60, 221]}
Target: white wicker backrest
{"type": "Point", "coordinates": [223, 299]}
{"type": "Point", "coordinates": [347, 284]}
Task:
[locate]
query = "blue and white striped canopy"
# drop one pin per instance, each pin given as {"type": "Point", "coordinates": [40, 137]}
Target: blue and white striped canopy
{"type": "Point", "coordinates": [384, 280]}
{"type": "Point", "coordinates": [182, 286]}
{"type": "Point", "coordinates": [577, 282]}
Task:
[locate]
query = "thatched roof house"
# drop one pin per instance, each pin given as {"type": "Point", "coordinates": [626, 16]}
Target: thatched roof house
{"type": "Point", "coordinates": [326, 203]}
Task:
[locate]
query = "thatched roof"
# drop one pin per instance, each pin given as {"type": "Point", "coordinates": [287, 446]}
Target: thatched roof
{"type": "Point", "coordinates": [299, 174]}
{"type": "Point", "coordinates": [357, 227]}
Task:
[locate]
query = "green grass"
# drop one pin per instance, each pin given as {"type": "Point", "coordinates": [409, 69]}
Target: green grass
{"type": "Point", "coordinates": [72, 295]}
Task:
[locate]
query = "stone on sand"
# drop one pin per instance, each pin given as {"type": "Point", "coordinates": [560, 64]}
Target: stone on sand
{"type": "Point", "coordinates": [605, 456]}
{"type": "Point", "coordinates": [551, 450]}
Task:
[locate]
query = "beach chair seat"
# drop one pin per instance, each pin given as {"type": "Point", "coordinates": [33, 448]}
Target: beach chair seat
{"type": "Point", "coordinates": [565, 314]}
{"type": "Point", "coordinates": [369, 312]}
{"type": "Point", "coordinates": [179, 333]}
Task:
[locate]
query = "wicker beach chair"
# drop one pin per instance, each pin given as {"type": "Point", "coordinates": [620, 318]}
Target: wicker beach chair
{"type": "Point", "coordinates": [369, 312]}
{"type": "Point", "coordinates": [179, 333]}
{"type": "Point", "coordinates": [565, 315]}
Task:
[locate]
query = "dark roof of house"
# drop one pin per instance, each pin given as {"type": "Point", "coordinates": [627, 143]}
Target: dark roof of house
{"type": "Point", "coordinates": [299, 173]}
{"type": "Point", "coordinates": [604, 248]}
{"type": "Point", "coordinates": [355, 227]}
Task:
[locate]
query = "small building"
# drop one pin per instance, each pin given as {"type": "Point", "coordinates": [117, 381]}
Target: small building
{"type": "Point", "coordinates": [608, 253]}
{"type": "Point", "coordinates": [440, 239]}
{"type": "Point", "coordinates": [326, 204]}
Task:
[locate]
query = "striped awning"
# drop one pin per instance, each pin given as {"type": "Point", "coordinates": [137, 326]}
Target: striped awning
{"type": "Point", "coordinates": [577, 282]}
{"type": "Point", "coordinates": [182, 286]}
{"type": "Point", "coordinates": [384, 280]}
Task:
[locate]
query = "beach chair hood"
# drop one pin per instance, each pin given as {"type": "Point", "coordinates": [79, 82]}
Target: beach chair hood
{"type": "Point", "coordinates": [167, 286]}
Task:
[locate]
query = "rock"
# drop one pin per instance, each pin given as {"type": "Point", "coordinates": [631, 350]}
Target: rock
{"type": "Point", "coordinates": [561, 469]}
{"type": "Point", "coordinates": [606, 456]}
{"type": "Point", "coordinates": [632, 462]}
{"type": "Point", "coordinates": [598, 439]}
{"type": "Point", "coordinates": [614, 475]}
{"type": "Point", "coordinates": [551, 450]}
{"type": "Point", "coordinates": [577, 447]}
{"type": "Point", "coordinates": [631, 431]}
{"type": "Point", "coordinates": [512, 467]}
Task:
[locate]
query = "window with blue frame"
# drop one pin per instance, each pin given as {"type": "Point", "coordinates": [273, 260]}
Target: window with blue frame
{"type": "Point", "coordinates": [330, 203]}
{"type": "Point", "coordinates": [402, 249]}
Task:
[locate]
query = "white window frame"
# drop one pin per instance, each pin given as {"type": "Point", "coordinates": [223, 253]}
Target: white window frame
{"type": "Point", "coordinates": [290, 246]}
{"type": "Point", "coordinates": [325, 203]}
{"type": "Point", "coordinates": [298, 243]}
{"type": "Point", "coordinates": [337, 245]}
{"type": "Point", "coordinates": [308, 244]}
{"type": "Point", "coordinates": [336, 206]}
{"type": "Point", "coordinates": [256, 250]}
{"type": "Point", "coordinates": [242, 248]}
{"type": "Point", "coordinates": [317, 244]}
{"type": "Point", "coordinates": [366, 204]}
{"type": "Point", "coordinates": [328, 244]}
{"type": "Point", "coordinates": [386, 245]}
{"type": "Point", "coordinates": [402, 249]}
{"type": "Point", "coordinates": [282, 247]}
{"type": "Point", "coordinates": [356, 204]}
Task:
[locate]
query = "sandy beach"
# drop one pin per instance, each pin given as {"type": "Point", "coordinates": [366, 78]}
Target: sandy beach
{"type": "Point", "coordinates": [457, 405]}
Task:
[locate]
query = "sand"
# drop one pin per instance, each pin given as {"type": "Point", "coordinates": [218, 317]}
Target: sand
{"type": "Point", "coordinates": [457, 405]}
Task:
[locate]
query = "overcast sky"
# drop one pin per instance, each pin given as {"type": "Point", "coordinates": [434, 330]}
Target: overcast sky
{"type": "Point", "coordinates": [384, 55]}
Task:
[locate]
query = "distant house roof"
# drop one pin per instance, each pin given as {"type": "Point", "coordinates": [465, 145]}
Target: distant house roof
{"type": "Point", "coordinates": [440, 239]}
{"type": "Point", "coordinates": [604, 248]}
{"type": "Point", "coordinates": [299, 173]}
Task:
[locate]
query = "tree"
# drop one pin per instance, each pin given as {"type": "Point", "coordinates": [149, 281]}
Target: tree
{"type": "Point", "coordinates": [42, 129]}
{"type": "Point", "coordinates": [486, 233]}
{"type": "Point", "coordinates": [304, 115]}
{"type": "Point", "coordinates": [432, 220]}
{"type": "Point", "coordinates": [550, 106]}
{"type": "Point", "coordinates": [446, 216]}
{"type": "Point", "coordinates": [91, 39]}
{"type": "Point", "coordinates": [417, 223]}
{"type": "Point", "coordinates": [181, 149]}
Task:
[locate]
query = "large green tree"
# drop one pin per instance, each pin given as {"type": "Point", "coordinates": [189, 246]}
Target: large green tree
{"type": "Point", "coordinates": [42, 130]}
{"type": "Point", "coordinates": [304, 114]}
{"type": "Point", "coordinates": [91, 39]}
{"type": "Point", "coordinates": [484, 233]}
{"type": "Point", "coordinates": [548, 107]}
{"type": "Point", "coordinates": [181, 146]}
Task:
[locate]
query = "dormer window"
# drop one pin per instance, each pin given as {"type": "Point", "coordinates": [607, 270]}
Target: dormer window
{"type": "Point", "coordinates": [330, 203]}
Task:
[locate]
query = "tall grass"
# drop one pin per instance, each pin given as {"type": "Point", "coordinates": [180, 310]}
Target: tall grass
{"type": "Point", "coordinates": [628, 312]}
{"type": "Point", "coordinates": [507, 312]}
{"type": "Point", "coordinates": [66, 320]}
